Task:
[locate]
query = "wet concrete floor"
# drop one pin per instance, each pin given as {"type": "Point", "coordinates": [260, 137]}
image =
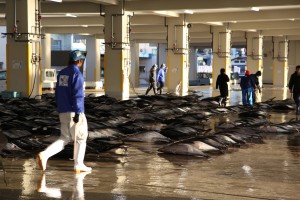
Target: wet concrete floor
{"type": "Point", "coordinates": [261, 171]}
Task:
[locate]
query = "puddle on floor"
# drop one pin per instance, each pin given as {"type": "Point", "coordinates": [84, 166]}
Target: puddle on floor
{"type": "Point", "coordinates": [261, 171]}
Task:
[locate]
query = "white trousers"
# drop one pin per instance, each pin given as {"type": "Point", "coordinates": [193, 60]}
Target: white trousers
{"type": "Point", "coordinates": [69, 129]}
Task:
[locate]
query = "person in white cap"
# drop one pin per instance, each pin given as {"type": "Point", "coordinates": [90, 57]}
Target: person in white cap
{"type": "Point", "coordinates": [70, 105]}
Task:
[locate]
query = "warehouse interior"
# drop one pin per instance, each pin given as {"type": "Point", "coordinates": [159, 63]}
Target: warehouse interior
{"type": "Point", "coordinates": [122, 39]}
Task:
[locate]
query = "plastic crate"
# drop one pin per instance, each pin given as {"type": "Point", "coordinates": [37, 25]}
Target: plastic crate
{"type": "Point", "coordinates": [10, 94]}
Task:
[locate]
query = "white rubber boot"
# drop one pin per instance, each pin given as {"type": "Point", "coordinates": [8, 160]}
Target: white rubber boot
{"type": "Point", "coordinates": [80, 152]}
{"type": "Point", "coordinates": [51, 150]}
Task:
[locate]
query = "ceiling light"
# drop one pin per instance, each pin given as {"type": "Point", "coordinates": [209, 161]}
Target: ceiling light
{"type": "Point", "coordinates": [251, 30]}
{"type": "Point", "coordinates": [70, 15]}
{"type": "Point", "coordinates": [85, 26]}
{"type": "Point", "coordinates": [292, 19]}
{"type": "Point", "coordinates": [55, 0]}
{"type": "Point", "coordinates": [234, 22]}
{"type": "Point", "coordinates": [189, 12]}
{"type": "Point", "coordinates": [255, 9]}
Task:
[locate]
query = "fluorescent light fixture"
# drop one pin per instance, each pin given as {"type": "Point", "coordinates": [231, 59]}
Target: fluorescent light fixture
{"type": "Point", "coordinates": [292, 19]}
{"type": "Point", "coordinates": [59, 1]}
{"type": "Point", "coordinates": [255, 9]}
{"type": "Point", "coordinates": [85, 26]}
{"type": "Point", "coordinates": [70, 15]}
{"type": "Point", "coordinates": [234, 22]}
{"type": "Point", "coordinates": [251, 30]}
{"type": "Point", "coordinates": [189, 12]}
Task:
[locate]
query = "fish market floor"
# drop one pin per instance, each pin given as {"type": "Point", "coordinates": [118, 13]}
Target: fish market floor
{"type": "Point", "coordinates": [261, 171]}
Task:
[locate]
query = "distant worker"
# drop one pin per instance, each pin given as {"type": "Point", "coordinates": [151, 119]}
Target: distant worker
{"type": "Point", "coordinates": [257, 93]}
{"type": "Point", "coordinates": [70, 106]}
{"type": "Point", "coordinates": [152, 79]}
{"type": "Point", "coordinates": [294, 86]}
{"type": "Point", "coordinates": [222, 81]}
{"type": "Point", "coordinates": [161, 77]}
{"type": "Point", "coordinates": [247, 85]}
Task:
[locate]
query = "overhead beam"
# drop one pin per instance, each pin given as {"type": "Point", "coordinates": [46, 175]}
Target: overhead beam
{"type": "Point", "coordinates": [74, 30]}
{"type": "Point", "coordinates": [267, 15]}
{"type": "Point", "coordinates": [105, 2]}
{"type": "Point", "coordinates": [281, 32]}
{"type": "Point", "coordinates": [149, 29]}
{"type": "Point", "coordinates": [147, 20]}
{"type": "Point", "coordinates": [54, 21]}
{"type": "Point", "coordinates": [166, 13]}
{"type": "Point", "coordinates": [195, 4]}
{"type": "Point", "coordinates": [264, 25]}
{"type": "Point", "coordinates": [68, 7]}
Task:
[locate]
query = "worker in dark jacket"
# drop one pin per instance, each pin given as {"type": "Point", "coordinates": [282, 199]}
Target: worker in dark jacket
{"type": "Point", "coordinates": [248, 86]}
{"type": "Point", "coordinates": [70, 106]}
{"type": "Point", "coordinates": [222, 81]}
{"type": "Point", "coordinates": [255, 94]}
{"type": "Point", "coordinates": [294, 86]}
{"type": "Point", "coordinates": [152, 79]}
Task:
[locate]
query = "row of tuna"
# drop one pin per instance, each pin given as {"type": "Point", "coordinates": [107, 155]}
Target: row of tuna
{"type": "Point", "coordinates": [183, 123]}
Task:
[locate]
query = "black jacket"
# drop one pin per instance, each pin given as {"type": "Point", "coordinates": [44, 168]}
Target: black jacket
{"type": "Point", "coordinates": [294, 83]}
{"type": "Point", "coordinates": [152, 75]}
{"type": "Point", "coordinates": [247, 82]}
{"type": "Point", "coordinates": [222, 81]}
{"type": "Point", "coordinates": [255, 79]}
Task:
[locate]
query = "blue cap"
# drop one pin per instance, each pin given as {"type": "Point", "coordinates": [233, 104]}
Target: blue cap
{"type": "Point", "coordinates": [76, 55]}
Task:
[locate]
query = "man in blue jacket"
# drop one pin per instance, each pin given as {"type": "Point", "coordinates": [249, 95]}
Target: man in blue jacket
{"type": "Point", "coordinates": [161, 77]}
{"type": "Point", "coordinates": [248, 86]}
{"type": "Point", "coordinates": [70, 106]}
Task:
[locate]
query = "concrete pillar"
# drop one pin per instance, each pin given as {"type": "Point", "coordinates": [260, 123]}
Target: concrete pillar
{"type": "Point", "coordinates": [255, 53]}
{"type": "Point", "coordinates": [93, 59]}
{"type": "Point", "coordinates": [268, 62]}
{"type": "Point", "coordinates": [117, 61]}
{"type": "Point", "coordinates": [46, 50]}
{"type": "Point", "coordinates": [135, 64]}
{"type": "Point", "coordinates": [221, 52]}
{"type": "Point", "coordinates": [178, 56]}
{"type": "Point", "coordinates": [280, 61]}
{"type": "Point", "coordinates": [23, 50]}
{"type": "Point", "coordinates": [162, 53]}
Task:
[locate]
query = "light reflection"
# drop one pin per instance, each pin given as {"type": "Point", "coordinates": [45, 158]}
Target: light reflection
{"type": "Point", "coordinates": [121, 181]}
{"type": "Point", "coordinates": [50, 192]}
{"type": "Point", "coordinates": [28, 168]}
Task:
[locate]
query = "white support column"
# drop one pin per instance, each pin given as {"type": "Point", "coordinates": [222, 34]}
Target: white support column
{"type": "Point", "coordinates": [46, 50]}
{"type": "Point", "coordinates": [93, 59]}
{"type": "Point", "coordinates": [255, 53]}
{"type": "Point", "coordinates": [221, 52]}
{"type": "Point", "coordinates": [117, 61]}
{"type": "Point", "coordinates": [23, 50]}
{"type": "Point", "coordinates": [135, 64]}
{"type": "Point", "coordinates": [280, 61]}
{"type": "Point", "coordinates": [178, 56]}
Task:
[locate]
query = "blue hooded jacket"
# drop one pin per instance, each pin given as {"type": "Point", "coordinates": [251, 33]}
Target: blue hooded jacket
{"type": "Point", "coordinates": [69, 90]}
{"type": "Point", "coordinates": [161, 75]}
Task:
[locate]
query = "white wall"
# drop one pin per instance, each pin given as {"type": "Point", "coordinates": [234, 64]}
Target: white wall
{"type": "Point", "coordinates": [3, 47]}
{"type": "Point", "coordinates": [193, 64]}
{"type": "Point", "coordinates": [294, 58]}
{"type": "Point", "coordinates": [268, 62]}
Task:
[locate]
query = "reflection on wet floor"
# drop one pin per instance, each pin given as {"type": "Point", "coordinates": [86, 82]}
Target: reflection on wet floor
{"type": "Point", "coordinates": [261, 171]}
